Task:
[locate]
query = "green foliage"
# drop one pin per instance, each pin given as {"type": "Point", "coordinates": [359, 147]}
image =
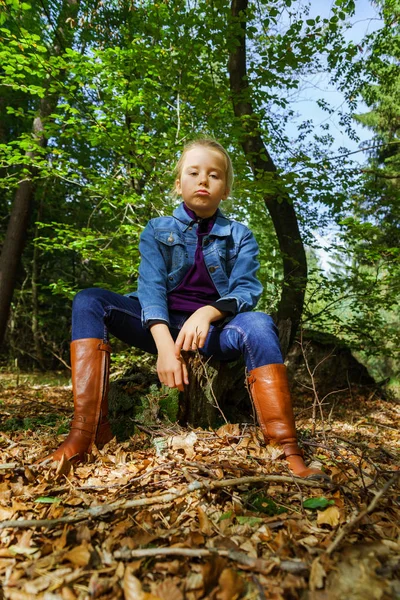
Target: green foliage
{"type": "Point", "coordinates": [263, 504]}
{"type": "Point", "coordinates": [32, 423]}
{"type": "Point", "coordinates": [169, 404]}
{"type": "Point", "coordinates": [317, 503]}
{"type": "Point", "coordinates": [47, 500]}
{"type": "Point", "coordinates": [135, 85]}
{"type": "Point", "coordinates": [358, 300]}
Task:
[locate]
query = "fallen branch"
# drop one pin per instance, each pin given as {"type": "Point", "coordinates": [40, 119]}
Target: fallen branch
{"type": "Point", "coordinates": [354, 522]}
{"type": "Point", "coordinates": [257, 564]}
{"type": "Point", "coordinates": [96, 512]}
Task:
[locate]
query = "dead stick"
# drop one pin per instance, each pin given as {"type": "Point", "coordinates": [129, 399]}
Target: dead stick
{"type": "Point", "coordinates": [96, 512]}
{"type": "Point", "coordinates": [258, 564]}
{"type": "Point", "coordinates": [354, 522]}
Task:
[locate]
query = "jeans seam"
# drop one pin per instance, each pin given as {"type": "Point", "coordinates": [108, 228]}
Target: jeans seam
{"type": "Point", "coordinates": [106, 313]}
{"type": "Point", "coordinates": [245, 341]}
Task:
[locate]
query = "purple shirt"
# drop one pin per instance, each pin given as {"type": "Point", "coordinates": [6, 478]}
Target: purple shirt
{"type": "Point", "coordinates": [197, 288]}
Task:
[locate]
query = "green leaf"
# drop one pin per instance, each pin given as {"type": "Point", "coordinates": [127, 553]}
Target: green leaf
{"type": "Point", "coordinates": [249, 521]}
{"type": "Point", "coordinates": [47, 500]}
{"type": "Point", "coordinates": [265, 505]}
{"type": "Point", "coordinates": [317, 503]}
{"type": "Point", "coordinates": [226, 515]}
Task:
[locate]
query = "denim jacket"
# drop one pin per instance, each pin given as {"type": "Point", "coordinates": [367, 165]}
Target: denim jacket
{"type": "Point", "coordinates": [167, 248]}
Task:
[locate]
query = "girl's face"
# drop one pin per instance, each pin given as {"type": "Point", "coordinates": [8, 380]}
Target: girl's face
{"type": "Point", "coordinates": [202, 182]}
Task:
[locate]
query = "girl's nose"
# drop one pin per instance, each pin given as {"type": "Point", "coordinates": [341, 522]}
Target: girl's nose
{"type": "Point", "coordinates": [203, 179]}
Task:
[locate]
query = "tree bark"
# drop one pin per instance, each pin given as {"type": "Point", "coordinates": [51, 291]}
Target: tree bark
{"type": "Point", "coordinates": [216, 393]}
{"type": "Point", "coordinates": [14, 241]}
{"type": "Point", "coordinates": [277, 201]}
{"type": "Point", "coordinates": [35, 293]}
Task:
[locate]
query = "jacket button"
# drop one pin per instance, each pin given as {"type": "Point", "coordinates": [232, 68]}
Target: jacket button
{"type": "Point", "coordinates": [212, 269]}
{"type": "Point", "coordinates": [206, 242]}
{"type": "Point", "coordinates": [171, 278]}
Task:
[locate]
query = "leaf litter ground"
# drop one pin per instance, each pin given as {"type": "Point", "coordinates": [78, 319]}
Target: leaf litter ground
{"type": "Point", "coordinates": [177, 513]}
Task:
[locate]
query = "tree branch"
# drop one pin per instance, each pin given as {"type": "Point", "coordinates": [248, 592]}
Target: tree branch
{"type": "Point", "coordinates": [101, 510]}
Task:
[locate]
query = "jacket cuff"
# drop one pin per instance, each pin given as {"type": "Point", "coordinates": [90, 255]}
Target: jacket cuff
{"type": "Point", "coordinates": [229, 306]}
{"type": "Point", "coordinates": [154, 313]}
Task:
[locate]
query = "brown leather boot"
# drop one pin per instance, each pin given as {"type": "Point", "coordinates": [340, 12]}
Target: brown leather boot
{"type": "Point", "coordinates": [270, 392]}
{"type": "Point", "coordinates": [90, 365]}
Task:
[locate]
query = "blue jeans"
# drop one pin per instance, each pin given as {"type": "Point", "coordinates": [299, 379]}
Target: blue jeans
{"type": "Point", "coordinates": [253, 335]}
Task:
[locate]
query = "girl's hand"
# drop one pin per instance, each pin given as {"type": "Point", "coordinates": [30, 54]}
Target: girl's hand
{"type": "Point", "coordinates": [172, 371]}
{"type": "Point", "coordinates": [195, 330]}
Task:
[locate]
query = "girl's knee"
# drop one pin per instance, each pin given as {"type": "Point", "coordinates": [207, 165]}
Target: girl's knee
{"type": "Point", "coordinates": [85, 299]}
{"type": "Point", "coordinates": [257, 321]}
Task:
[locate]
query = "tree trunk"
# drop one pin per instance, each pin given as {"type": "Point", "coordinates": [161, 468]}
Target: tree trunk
{"type": "Point", "coordinates": [35, 294]}
{"type": "Point", "coordinates": [17, 228]}
{"type": "Point", "coordinates": [216, 393]}
{"type": "Point", "coordinates": [277, 201]}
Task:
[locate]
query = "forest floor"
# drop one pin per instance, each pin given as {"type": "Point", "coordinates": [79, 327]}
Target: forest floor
{"type": "Point", "coordinates": [175, 513]}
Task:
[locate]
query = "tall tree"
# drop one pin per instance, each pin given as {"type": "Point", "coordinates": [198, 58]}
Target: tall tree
{"type": "Point", "coordinates": [276, 198]}
{"type": "Point", "coordinates": [14, 240]}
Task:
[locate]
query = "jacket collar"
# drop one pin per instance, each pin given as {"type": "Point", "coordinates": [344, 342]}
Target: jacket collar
{"type": "Point", "coordinates": [221, 227]}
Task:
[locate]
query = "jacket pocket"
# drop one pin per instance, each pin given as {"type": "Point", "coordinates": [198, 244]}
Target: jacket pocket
{"type": "Point", "coordinates": [227, 251]}
{"type": "Point", "coordinates": [172, 247]}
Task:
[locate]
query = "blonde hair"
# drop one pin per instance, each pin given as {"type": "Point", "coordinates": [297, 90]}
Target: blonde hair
{"type": "Point", "coordinates": [213, 145]}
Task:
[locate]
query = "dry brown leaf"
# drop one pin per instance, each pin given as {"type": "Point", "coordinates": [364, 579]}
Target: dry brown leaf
{"type": "Point", "coordinates": [167, 590]}
{"type": "Point", "coordinates": [329, 516]}
{"type": "Point", "coordinates": [100, 585]}
{"type": "Point", "coordinates": [184, 442]}
{"type": "Point", "coordinates": [63, 468]}
{"type": "Point", "coordinates": [229, 430]}
{"type": "Point", "coordinates": [310, 541]}
{"type": "Point", "coordinates": [16, 549]}
{"type": "Point", "coordinates": [211, 571]}
{"type": "Point", "coordinates": [231, 585]}
{"type": "Point", "coordinates": [79, 556]}
{"type": "Point", "coordinates": [270, 452]}
{"type": "Point", "coordinates": [61, 541]}
{"type": "Point", "coordinates": [83, 534]}
{"type": "Point", "coordinates": [194, 581]}
{"type": "Point", "coordinates": [18, 595]}
{"type": "Point", "coordinates": [356, 578]}
{"type": "Point", "coordinates": [317, 576]}
{"type": "Point", "coordinates": [132, 587]}
{"type": "Point", "coordinates": [45, 581]}
{"type": "Point", "coordinates": [249, 548]}
{"type": "Point", "coordinates": [205, 523]}
{"type": "Point", "coordinates": [67, 594]}
{"type": "Point", "coordinates": [171, 566]}
{"type": "Point", "coordinates": [73, 501]}
{"type": "Point", "coordinates": [6, 513]}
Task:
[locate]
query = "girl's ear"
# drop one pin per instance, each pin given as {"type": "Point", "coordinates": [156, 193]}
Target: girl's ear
{"type": "Point", "coordinates": [225, 194]}
{"type": "Point", "coordinates": [178, 186]}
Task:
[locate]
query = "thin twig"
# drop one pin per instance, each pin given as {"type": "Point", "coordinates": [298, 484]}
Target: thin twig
{"type": "Point", "coordinates": [101, 510]}
{"type": "Point", "coordinates": [258, 564]}
{"type": "Point", "coordinates": [216, 404]}
{"type": "Point", "coordinates": [354, 522]}
{"type": "Point", "coordinates": [104, 486]}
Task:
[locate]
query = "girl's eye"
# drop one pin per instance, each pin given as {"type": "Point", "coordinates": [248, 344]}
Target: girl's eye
{"type": "Point", "coordinates": [193, 173]}
{"type": "Point", "coordinates": [214, 175]}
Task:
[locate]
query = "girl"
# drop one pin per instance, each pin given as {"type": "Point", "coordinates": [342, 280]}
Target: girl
{"type": "Point", "coordinates": [197, 285]}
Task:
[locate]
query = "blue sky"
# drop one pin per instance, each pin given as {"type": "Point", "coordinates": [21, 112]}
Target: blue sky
{"type": "Point", "coordinates": [365, 21]}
